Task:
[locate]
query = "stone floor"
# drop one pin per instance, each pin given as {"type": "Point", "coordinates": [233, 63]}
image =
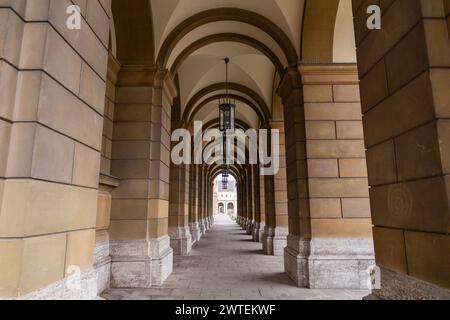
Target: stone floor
{"type": "Point", "coordinates": [227, 265]}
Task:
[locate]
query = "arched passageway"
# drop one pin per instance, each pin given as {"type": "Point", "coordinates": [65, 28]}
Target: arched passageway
{"type": "Point", "coordinates": [90, 117]}
{"type": "Point", "coordinates": [227, 265]}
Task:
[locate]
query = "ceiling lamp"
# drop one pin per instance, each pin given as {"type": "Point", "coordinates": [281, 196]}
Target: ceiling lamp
{"type": "Point", "coordinates": [225, 175]}
{"type": "Point", "coordinates": [226, 108]}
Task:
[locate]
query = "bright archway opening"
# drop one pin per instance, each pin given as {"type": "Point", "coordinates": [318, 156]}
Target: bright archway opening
{"type": "Point", "coordinates": [225, 197]}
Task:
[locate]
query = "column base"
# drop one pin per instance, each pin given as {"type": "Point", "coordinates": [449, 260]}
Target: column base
{"type": "Point", "coordinates": [249, 228]}
{"type": "Point", "coordinates": [397, 286]}
{"type": "Point", "coordinates": [102, 264]}
{"type": "Point", "coordinates": [76, 287]}
{"type": "Point", "coordinates": [196, 233]}
{"type": "Point", "coordinates": [238, 220]}
{"type": "Point", "coordinates": [208, 223]}
{"type": "Point", "coordinates": [258, 231]}
{"type": "Point", "coordinates": [274, 240]}
{"type": "Point", "coordinates": [180, 241]}
{"type": "Point", "coordinates": [329, 263]}
{"type": "Point", "coordinates": [244, 224]}
{"type": "Point", "coordinates": [141, 263]}
{"type": "Point", "coordinates": [202, 226]}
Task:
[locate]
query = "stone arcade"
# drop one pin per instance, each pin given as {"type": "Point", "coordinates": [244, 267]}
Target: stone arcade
{"type": "Point", "coordinates": [86, 116]}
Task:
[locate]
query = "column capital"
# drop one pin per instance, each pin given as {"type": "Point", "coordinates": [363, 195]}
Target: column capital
{"type": "Point", "coordinates": [290, 81]}
{"type": "Point", "coordinates": [164, 79]}
{"type": "Point", "coordinates": [113, 68]}
{"type": "Point", "coordinates": [136, 75]}
{"type": "Point", "coordinates": [326, 73]}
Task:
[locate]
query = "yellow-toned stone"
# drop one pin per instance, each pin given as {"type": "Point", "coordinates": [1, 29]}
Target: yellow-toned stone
{"type": "Point", "coordinates": [33, 207]}
{"type": "Point", "coordinates": [80, 249]}
{"type": "Point", "coordinates": [2, 186]}
{"type": "Point", "coordinates": [128, 230]}
{"type": "Point", "coordinates": [390, 249]}
{"type": "Point", "coordinates": [282, 221]}
{"type": "Point", "coordinates": [103, 211]}
{"type": "Point", "coordinates": [428, 257]}
{"type": "Point", "coordinates": [86, 166]}
{"type": "Point", "coordinates": [101, 236]}
{"type": "Point", "coordinates": [43, 262]}
{"type": "Point", "coordinates": [341, 228]}
{"type": "Point", "coordinates": [10, 262]}
{"type": "Point", "coordinates": [158, 209]}
{"type": "Point", "coordinates": [158, 228]}
{"type": "Point", "coordinates": [5, 130]}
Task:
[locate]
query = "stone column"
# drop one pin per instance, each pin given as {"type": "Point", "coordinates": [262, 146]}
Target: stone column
{"type": "Point", "coordinates": [239, 211]}
{"type": "Point", "coordinates": [256, 204]}
{"type": "Point", "coordinates": [52, 83]}
{"type": "Point", "coordinates": [102, 257]}
{"type": "Point", "coordinates": [249, 201]}
{"type": "Point", "coordinates": [405, 78]}
{"type": "Point", "coordinates": [140, 245]}
{"type": "Point", "coordinates": [201, 195]}
{"type": "Point", "coordinates": [276, 229]}
{"type": "Point", "coordinates": [244, 201]}
{"type": "Point", "coordinates": [205, 199]}
{"type": "Point", "coordinates": [336, 249]}
{"type": "Point", "coordinates": [259, 231]}
{"type": "Point", "coordinates": [179, 230]}
{"type": "Point", "coordinates": [193, 205]}
{"type": "Point", "coordinates": [210, 201]}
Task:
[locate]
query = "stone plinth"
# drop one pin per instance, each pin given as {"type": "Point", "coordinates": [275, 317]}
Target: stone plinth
{"type": "Point", "coordinates": [195, 232]}
{"type": "Point", "coordinates": [329, 263]}
{"type": "Point", "coordinates": [274, 240]}
{"type": "Point", "coordinates": [180, 240]}
{"type": "Point", "coordinates": [141, 263]}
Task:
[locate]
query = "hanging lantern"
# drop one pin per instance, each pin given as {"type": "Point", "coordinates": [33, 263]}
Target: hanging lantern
{"type": "Point", "coordinates": [227, 115]}
{"type": "Point", "coordinates": [227, 110]}
{"type": "Point", "coordinates": [225, 175]}
{"type": "Point", "coordinates": [224, 182]}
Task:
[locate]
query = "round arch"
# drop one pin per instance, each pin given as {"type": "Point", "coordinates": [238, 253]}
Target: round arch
{"type": "Point", "coordinates": [214, 124]}
{"type": "Point", "coordinates": [133, 25]}
{"type": "Point", "coordinates": [227, 37]}
{"type": "Point", "coordinates": [191, 105]}
{"type": "Point", "coordinates": [226, 14]}
{"type": "Point", "coordinates": [223, 96]}
{"type": "Point", "coordinates": [318, 30]}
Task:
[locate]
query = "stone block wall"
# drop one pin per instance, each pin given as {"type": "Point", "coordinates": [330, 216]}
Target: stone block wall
{"type": "Point", "coordinates": [51, 126]}
{"type": "Point", "coordinates": [337, 170]}
{"type": "Point", "coordinates": [140, 245]}
{"type": "Point", "coordinates": [405, 76]}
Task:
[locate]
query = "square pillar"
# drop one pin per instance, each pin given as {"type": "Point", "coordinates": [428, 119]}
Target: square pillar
{"type": "Point", "coordinates": [330, 241]}
{"type": "Point", "coordinates": [53, 83]}
{"type": "Point", "coordinates": [275, 234]}
{"type": "Point", "coordinates": [193, 205]}
{"type": "Point", "coordinates": [140, 245]}
{"type": "Point", "coordinates": [406, 107]}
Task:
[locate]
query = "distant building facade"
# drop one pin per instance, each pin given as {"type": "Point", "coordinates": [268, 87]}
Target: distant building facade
{"type": "Point", "coordinates": [225, 199]}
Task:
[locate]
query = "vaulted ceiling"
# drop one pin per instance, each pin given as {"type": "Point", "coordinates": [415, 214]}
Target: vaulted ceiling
{"type": "Point", "coordinates": [261, 37]}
